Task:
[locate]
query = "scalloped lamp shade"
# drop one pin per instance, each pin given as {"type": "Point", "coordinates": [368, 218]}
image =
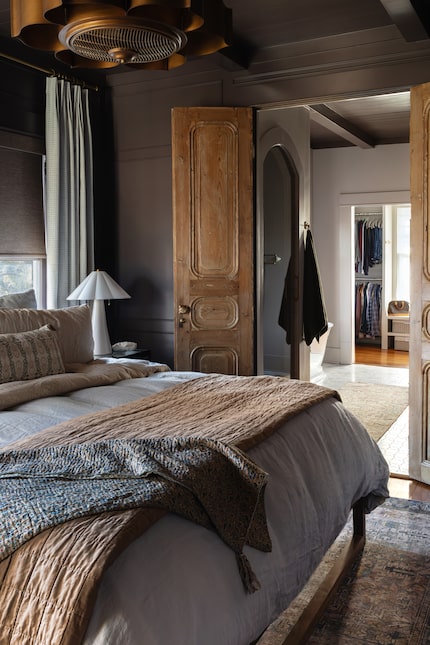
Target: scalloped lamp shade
{"type": "Point", "coordinates": [146, 34]}
{"type": "Point", "coordinates": [98, 286]}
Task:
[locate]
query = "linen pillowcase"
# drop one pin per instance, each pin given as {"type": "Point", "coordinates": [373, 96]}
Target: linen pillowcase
{"type": "Point", "coordinates": [72, 325]}
{"type": "Point", "coordinates": [24, 299]}
{"type": "Point", "coordinates": [29, 355]}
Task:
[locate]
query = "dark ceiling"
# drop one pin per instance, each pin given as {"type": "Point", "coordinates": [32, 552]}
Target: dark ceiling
{"type": "Point", "coordinates": [265, 31]}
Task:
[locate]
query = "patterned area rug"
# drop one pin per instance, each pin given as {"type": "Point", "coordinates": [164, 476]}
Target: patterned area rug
{"type": "Point", "coordinates": [377, 406]}
{"type": "Point", "coordinates": [385, 600]}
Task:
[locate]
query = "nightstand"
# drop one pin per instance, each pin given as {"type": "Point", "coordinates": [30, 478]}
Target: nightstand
{"type": "Point", "coordinates": [133, 353]}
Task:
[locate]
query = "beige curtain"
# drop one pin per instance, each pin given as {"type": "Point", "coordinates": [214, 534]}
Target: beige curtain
{"type": "Point", "coordinates": [68, 189]}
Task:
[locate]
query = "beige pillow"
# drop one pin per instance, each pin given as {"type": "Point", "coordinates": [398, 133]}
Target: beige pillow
{"type": "Point", "coordinates": [24, 299]}
{"type": "Point", "coordinates": [72, 324]}
{"type": "Point", "coordinates": [29, 355]}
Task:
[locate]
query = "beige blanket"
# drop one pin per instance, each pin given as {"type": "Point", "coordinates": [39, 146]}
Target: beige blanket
{"type": "Point", "coordinates": [48, 587]}
{"type": "Point", "coordinates": [77, 377]}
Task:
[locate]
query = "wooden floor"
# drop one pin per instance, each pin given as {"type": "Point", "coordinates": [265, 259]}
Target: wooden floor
{"type": "Point", "coordinates": [368, 355]}
{"type": "Point", "coordinates": [408, 489]}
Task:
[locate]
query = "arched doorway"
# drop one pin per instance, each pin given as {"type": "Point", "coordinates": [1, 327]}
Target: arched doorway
{"type": "Point", "coordinates": [281, 251]}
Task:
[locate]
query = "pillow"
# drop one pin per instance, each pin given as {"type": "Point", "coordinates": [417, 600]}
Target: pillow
{"type": "Point", "coordinates": [72, 324]}
{"type": "Point", "coordinates": [29, 355]}
{"type": "Point", "coordinates": [25, 299]}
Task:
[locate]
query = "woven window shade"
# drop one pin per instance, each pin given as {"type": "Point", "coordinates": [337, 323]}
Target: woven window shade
{"type": "Point", "coordinates": [21, 204]}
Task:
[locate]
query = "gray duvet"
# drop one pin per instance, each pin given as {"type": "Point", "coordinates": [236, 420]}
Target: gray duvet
{"type": "Point", "coordinates": [176, 583]}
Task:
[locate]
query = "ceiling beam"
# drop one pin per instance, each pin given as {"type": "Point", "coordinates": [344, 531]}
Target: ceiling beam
{"type": "Point", "coordinates": [331, 120]}
{"type": "Point", "coordinates": [410, 17]}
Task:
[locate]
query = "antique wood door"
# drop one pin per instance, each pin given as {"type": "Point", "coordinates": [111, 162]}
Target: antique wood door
{"type": "Point", "coordinates": [213, 233]}
{"type": "Point", "coordinates": [419, 349]}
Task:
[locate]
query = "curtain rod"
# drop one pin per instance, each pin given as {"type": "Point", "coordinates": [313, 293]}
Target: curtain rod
{"type": "Point", "coordinates": [51, 72]}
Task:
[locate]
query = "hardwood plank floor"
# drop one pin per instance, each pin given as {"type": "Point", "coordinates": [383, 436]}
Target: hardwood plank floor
{"type": "Point", "coordinates": [368, 355]}
{"type": "Point", "coordinates": [408, 489]}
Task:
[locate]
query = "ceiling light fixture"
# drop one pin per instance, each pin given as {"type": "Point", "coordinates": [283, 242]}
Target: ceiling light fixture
{"type": "Point", "coordinates": [145, 34]}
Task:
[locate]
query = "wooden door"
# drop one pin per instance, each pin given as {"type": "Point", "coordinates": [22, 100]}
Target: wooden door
{"type": "Point", "coordinates": [213, 232]}
{"type": "Point", "coordinates": [419, 342]}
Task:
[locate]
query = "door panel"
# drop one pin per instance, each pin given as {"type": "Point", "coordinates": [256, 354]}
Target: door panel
{"type": "Point", "coordinates": [419, 342]}
{"type": "Point", "coordinates": [213, 231]}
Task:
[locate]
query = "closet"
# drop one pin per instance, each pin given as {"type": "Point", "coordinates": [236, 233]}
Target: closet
{"type": "Point", "coordinates": [369, 261]}
{"type": "Point", "coordinates": [381, 258]}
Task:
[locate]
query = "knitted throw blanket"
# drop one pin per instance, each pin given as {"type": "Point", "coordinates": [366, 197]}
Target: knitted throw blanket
{"type": "Point", "coordinates": [239, 410]}
{"type": "Point", "coordinates": [203, 480]}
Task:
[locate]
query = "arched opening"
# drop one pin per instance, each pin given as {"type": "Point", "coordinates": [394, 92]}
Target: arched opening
{"type": "Point", "coordinates": [281, 251]}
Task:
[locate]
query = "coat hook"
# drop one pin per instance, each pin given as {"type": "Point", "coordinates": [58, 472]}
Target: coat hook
{"type": "Point", "coordinates": [272, 259]}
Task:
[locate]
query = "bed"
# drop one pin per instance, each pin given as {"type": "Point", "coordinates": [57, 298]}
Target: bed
{"type": "Point", "coordinates": [144, 574]}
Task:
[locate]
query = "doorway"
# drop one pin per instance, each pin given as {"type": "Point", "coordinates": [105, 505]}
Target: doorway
{"type": "Point", "coordinates": [280, 207]}
{"type": "Point", "coordinates": [349, 371]}
{"type": "Point", "coordinates": [381, 241]}
{"type": "Point", "coordinates": [382, 297]}
{"type": "Point", "coordinates": [382, 276]}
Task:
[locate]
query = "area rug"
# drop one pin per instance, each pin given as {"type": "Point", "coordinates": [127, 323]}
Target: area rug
{"type": "Point", "coordinates": [385, 599]}
{"type": "Point", "coordinates": [376, 406]}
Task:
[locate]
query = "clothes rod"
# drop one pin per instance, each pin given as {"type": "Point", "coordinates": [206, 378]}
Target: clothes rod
{"type": "Point", "coordinates": [50, 72]}
{"type": "Point", "coordinates": [364, 214]}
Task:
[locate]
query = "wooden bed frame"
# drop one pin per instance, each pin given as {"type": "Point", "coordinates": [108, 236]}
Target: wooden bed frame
{"type": "Point", "coordinates": [303, 628]}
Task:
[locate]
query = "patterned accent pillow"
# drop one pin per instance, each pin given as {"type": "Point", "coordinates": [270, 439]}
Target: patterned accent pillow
{"type": "Point", "coordinates": [25, 299]}
{"type": "Point", "coordinates": [29, 355]}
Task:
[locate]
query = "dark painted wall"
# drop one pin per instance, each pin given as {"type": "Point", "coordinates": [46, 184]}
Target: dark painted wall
{"type": "Point", "coordinates": [142, 104]}
{"type": "Point", "coordinates": [133, 197]}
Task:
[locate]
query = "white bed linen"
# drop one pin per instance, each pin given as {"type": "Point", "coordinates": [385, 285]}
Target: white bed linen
{"type": "Point", "coordinates": [178, 583]}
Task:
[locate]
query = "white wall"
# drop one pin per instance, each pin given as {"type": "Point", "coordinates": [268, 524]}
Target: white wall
{"type": "Point", "coordinates": [341, 176]}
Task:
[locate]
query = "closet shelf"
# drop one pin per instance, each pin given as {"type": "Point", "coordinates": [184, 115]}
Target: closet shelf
{"type": "Point", "coordinates": [402, 331]}
{"type": "Point", "coordinates": [366, 278]}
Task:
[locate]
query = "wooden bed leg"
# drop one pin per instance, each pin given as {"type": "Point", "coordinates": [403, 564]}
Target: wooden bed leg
{"type": "Point", "coordinates": [359, 519]}
{"type": "Point", "coordinates": [303, 628]}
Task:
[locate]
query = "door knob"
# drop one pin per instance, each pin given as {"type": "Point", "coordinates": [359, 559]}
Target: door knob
{"type": "Point", "coordinates": [183, 309]}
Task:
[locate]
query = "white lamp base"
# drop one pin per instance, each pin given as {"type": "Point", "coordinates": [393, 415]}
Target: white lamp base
{"type": "Point", "coordinates": [102, 344]}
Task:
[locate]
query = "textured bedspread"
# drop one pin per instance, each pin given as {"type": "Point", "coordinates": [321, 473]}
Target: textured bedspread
{"type": "Point", "coordinates": [241, 411]}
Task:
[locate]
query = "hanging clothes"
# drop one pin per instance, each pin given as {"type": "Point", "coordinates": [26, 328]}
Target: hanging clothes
{"type": "Point", "coordinates": [368, 244]}
{"type": "Point", "coordinates": [368, 298]}
{"type": "Point", "coordinates": [314, 311]}
{"type": "Point", "coordinates": [286, 312]}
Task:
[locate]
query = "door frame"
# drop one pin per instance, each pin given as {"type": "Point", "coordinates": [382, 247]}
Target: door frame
{"type": "Point", "coordinates": [347, 277]}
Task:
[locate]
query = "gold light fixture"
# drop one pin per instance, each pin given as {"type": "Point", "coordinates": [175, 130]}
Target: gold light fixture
{"type": "Point", "coordinates": [146, 34]}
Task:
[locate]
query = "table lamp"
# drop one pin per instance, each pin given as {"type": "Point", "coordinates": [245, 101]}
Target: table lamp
{"type": "Point", "coordinates": [98, 286]}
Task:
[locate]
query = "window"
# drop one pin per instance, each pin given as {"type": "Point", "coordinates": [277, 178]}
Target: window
{"type": "Point", "coordinates": [401, 252]}
{"type": "Point", "coordinates": [22, 242]}
{"type": "Point", "coordinates": [21, 274]}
